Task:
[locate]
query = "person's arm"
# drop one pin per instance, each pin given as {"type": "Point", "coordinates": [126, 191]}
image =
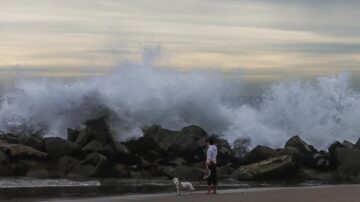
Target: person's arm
{"type": "Point", "coordinates": [208, 157]}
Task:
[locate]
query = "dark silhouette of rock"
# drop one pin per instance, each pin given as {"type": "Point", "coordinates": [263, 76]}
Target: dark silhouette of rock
{"type": "Point", "coordinates": [34, 141]}
{"type": "Point", "coordinates": [21, 151]}
{"type": "Point", "coordinates": [57, 147]}
{"type": "Point", "coordinates": [66, 163]}
{"type": "Point", "coordinates": [348, 163]}
{"type": "Point", "coordinates": [72, 135]}
{"type": "Point", "coordinates": [272, 168]}
{"type": "Point", "coordinates": [186, 173]}
{"type": "Point", "coordinates": [311, 174]}
{"type": "Point", "coordinates": [306, 151]}
{"type": "Point", "coordinates": [93, 146]}
{"type": "Point", "coordinates": [257, 154]}
{"type": "Point", "coordinates": [94, 165]}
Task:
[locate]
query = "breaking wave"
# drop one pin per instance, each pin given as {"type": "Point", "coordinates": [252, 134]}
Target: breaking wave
{"type": "Point", "coordinates": [137, 95]}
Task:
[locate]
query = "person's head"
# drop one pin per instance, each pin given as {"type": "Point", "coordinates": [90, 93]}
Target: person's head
{"type": "Point", "coordinates": [210, 141]}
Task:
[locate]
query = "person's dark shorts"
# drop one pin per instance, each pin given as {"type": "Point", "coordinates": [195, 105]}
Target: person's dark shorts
{"type": "Point", "coordinates": [212, 179]}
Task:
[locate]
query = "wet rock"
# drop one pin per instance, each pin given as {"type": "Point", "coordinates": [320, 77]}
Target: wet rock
{"type": "Point", "coordinates": [225, 171]}
{"type": "Point", "coordinates": [186, 173]}
{"type": "Point", "coordinates": [10, 138]}
{"type": "Point", "coordinates": [311, 174]}
{"type": "Point", "coordinates": [66, 163]}
{"type": "Point", "coordinates": [349, 163]}
{"type": "Point", "coordinates": [7, 169]}
{"type": "Point", "coordinates": [99, 131]}
{"type": "Point", "coordinates": [93, 146]}
{"type": "Point", "coordinates": [43, 173]}
{"type": "Point", "coordinates": [259, 153]}
{"type": "Point", "coordinates": [323, 161]}
{"type": "Point", "coordinates": [122, 170]}
{"type": "Point", "coordinates": [272, 168]}
{"type": "Point", "coordinates": [94, 165]}
{"type": "Point", "coordinates": [140, 174]}
{"type": "Point", "coordinates": [19, 151]}
{"type": "Point", "coordinates": [27, 165]}
{"type": "Point", "coordinates": [142, 146]}
{"type": "Point", "coordinates": [72, 135]}
{"type": "Point", "coordinates": [178, 162]}
{"type": "Point", "coordinates": [306, 151]}
{"type": "Point", "coordinates": [34, 141]}
{"type": "Point", "coordinates": [57, 147]}
{"type": "Point", "coordinates": [83, 138]}
{"type": "Point", "coordinates": [3, 158]}
{"type": "Point", "coordinates": [188, 143]}
{"type": "Point", "coordinates": [120, 153]}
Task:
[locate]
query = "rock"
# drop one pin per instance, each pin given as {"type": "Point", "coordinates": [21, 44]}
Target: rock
{"type": "Point", "coordinates": [57, 147]}
{"type": "Point", "coordinates": [42, 173]}
{"type": "Point", "coordinates": [83, 138]}
{"type": "Point", "coordinates": [323, 161]}
{"type": "Point", "coordinates": [273, 168]}
{"type": "Point", "coordinates": [259, 153]}
{"type": "Point", "coordinates": [349, 145]}
{"type": "Point", "coordinates": [122, 170]}
{"type": "Point", "coordinates": [142, 146]}
{"type": "Point", "coordinates": [19, 151]}
{"type": "Point", "coordinates": [306, 151]}
{"type": "Point", "coordinates": [310, 174]}
{"type": "Point", "coordinates": [140, 174]}
{"type": "Point", "coordinates": [72, 135]}
{"type": "Point", "coordinates": [120, 153]}
{"type": "Point", "coordinates": [34, 141]}
{"type": "Point", "coordinates": [225, 171]}
{"type": "Point", "coordinates": [225, 153]}
{"type": "Point", "coordinates": [3, 158]}
{"type": "Point", "coordinates": [94, 165]}
{"type": "Point", "coordinates": [27, 165]}
{"type": "Point", "coordinates": [10, 138]}
{"type": "Point", "coordinates": [358, 143]}
{"type": "Point", "coordinates": [99, 131]}
{"type": "Point", "coordinates": [349, 163]}
{"type": "Point", "coordinates": [187, 173]}
{"type": "Point", "coordinates": [66, 163]}
{"type": "Point", "coordinates": [178, 162]}
{"type": "Point", "coordinates": [7, 170]}
{"type": "Point", "coordinates": [188, 143]}
{"type": "Point", "coordinates": [93, 146]}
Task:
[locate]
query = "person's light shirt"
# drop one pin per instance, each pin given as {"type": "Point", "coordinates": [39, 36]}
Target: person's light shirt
{"type": "Point", "coordinates": [211, 154]}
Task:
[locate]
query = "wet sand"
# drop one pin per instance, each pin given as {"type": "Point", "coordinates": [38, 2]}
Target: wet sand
{"type": "Point", "coordinates": [339, 193]}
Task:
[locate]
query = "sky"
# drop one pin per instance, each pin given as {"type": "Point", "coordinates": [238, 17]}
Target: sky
{"type": "Point", "coordinates": [263, 40]}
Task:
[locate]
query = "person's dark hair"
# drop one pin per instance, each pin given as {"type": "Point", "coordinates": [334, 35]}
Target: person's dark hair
{"type": "Point", "coordinates": [210, 140]}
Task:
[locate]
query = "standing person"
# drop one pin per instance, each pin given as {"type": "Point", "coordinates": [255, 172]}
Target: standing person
{"type": "Point", "coordinates": [210, 165]}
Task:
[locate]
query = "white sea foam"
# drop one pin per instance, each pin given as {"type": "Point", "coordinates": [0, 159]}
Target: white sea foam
{"type": "Point", "coordinates": [140, 94]}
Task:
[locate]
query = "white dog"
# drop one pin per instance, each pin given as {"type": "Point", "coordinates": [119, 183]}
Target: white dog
{"type": "Point", "coordinates": [183, 186]}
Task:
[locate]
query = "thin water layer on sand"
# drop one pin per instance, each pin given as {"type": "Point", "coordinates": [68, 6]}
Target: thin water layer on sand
{"type": "Point", "coordinates": [28, 189]}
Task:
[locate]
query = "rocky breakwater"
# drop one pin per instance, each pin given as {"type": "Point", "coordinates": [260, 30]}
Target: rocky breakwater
{"type": "Point", "coordinates": [94, 152]}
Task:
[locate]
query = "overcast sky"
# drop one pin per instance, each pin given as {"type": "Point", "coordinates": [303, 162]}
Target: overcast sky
{"type": "Point", "coordinates": [264, 40]}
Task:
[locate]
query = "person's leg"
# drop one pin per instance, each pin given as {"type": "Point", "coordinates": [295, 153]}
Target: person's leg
{"type": "Point", "coordinates": [209, 185]}
{"type": "Point", "coordinates": [214, 179]}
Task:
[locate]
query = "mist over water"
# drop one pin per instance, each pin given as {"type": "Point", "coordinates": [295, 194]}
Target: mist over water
{"type": "Point", "coordinates": [136, 95]}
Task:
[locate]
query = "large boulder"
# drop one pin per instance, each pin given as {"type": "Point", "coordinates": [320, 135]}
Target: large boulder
{"type": "Point", "coordinates": [189, 142]}
{"type": "Point", "coordinates": [348, 163]}
{"type": "Point", "coordinates": [23, 166]}
{"type": "Point", "coordinates": [306, 151]}
{"type": "Point", "coordinates": [72, 135]}
{"type": "Point", "coordinates": [225, 171]}
{"type": "Point", "coordinates": [21, 151]}
{"type": "Point", "coordinates": [66, 163]}
{"type": "Point", "coordinates": [259, 153]}
{"type": "Point", "coordinates": [94, 165]}
{"type": "Point", "coordinates": [99, 131]}
{"type": "Point", "coordinates": [93, 146]}
{"type": "Point", "coordinates": [186, 173]}
{"type": "Point", "coordinates": [3, 157]}
{"type": "Point", "coordinates": [311, 174]}
{"type": "Point", "coordinates": [34, 141]}
{"type": "Point", "coordinates": [118, 152]}
{"type": "Point", "coordinates": [10, 138]}
{"type": "Point", "coordinates": [272, 168]}
{"type": "Point", "coordinates": [57, 147]}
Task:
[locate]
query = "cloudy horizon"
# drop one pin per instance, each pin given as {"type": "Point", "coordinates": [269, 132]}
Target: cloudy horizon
{"type": "Point", "coordinates": [263, 40]}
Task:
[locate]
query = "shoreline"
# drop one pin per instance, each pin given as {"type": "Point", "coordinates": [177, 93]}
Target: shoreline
{"type": "Point", "coordinates": [328, 193]}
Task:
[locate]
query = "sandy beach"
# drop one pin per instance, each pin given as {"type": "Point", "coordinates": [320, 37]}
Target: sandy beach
{"type": "Point", "coordinates": [343, 193]}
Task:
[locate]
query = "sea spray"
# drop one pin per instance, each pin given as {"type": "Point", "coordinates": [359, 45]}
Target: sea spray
{"type": "Point", "coordinates": [137, 95]}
